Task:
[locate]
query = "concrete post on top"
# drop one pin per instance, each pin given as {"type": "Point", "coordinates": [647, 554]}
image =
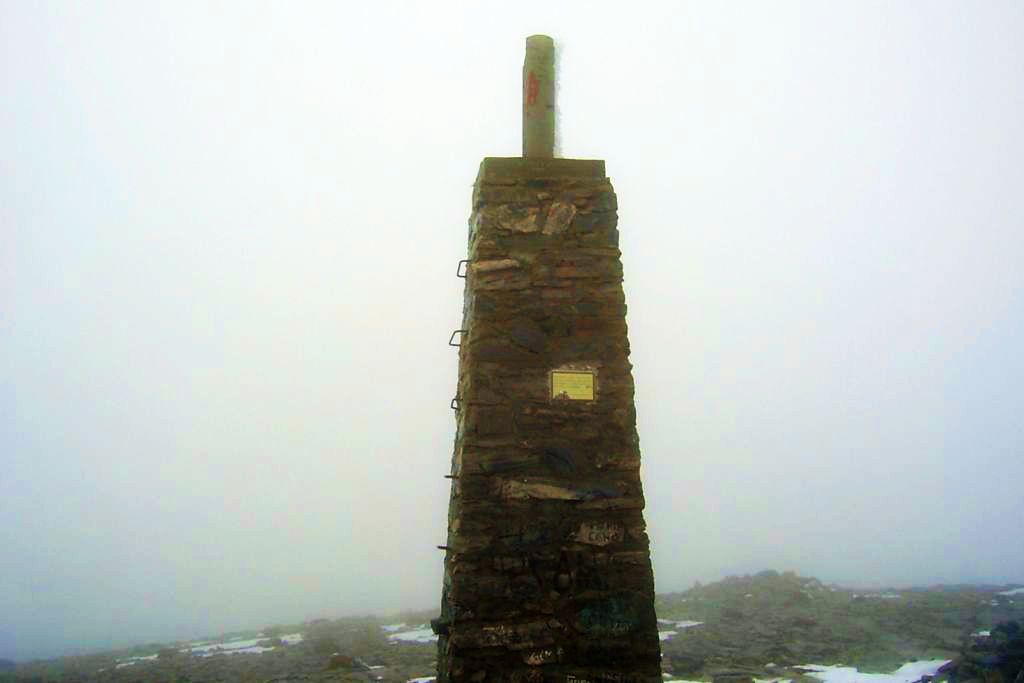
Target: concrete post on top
{"type": "Point", "coordinates": [539, 98]}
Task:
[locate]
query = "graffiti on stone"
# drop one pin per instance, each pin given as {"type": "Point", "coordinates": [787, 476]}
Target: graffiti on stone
{"type": "Point", "coordinates": [609, 617]}
{"type": "Point", "coordinates": [545, 655]}
{"type": "Point", "coordinates": [599, 533]}
{"type": "Point", "coordinates": [604, 677]}
{"type": "Point", "coordinates": [511, 636]}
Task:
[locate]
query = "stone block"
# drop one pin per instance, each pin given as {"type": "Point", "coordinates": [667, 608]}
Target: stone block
{"type": "Point", "coordinates": [504, 170]}
{"type": "Point", "coordinates": [559, 217]}
{"type": "Point", "coordinates": [489, 420]}
{"type": "Point", "coordinates": [513, 636]}
{"type": "Point", "coordinates": [600, 533]}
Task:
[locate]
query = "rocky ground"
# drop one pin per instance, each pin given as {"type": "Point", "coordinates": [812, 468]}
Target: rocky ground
{"type": "Point", "coordinates": [997, 657]}
{"type": "Point", "coordinates": [764, 627]}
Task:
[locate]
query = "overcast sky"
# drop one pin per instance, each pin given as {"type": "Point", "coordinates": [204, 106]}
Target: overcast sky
{"type": "Point", "coordinates": [228, 238]}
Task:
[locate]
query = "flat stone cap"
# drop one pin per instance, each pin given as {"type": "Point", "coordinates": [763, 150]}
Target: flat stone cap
{"type": "Point", "coordinates": [527, 168]}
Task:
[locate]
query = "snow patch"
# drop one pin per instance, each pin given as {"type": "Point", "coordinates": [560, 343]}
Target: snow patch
{"type": "Point", "coordinates": [908, 673]}
{"type": "Point", "coordinates": [680, 624]}
{"type": "Point", "coordinates": [217, 648]}
{"type": "Point", "coordinates": [240, 647]}
{"type": "Point", "coordinates": [1015, 591]}
{"type": "Point", "coordinates": [668, 634]}
{"type": "Point", "coordinates": [249, 650]}
{"type": "Point", "coordinates": [423, 634]}
{"type": "Point", "coordinates": [131, 661]}
{"type": "Point", "coordinates": [395, 628]}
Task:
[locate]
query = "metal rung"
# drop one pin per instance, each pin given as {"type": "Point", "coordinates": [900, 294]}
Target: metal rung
{"type": "Point", "coordinates": [456, 403]}
{"type": "Point", "coordinates": [452, 338]}
{"type": "Point", "coordinates": [459, 272]}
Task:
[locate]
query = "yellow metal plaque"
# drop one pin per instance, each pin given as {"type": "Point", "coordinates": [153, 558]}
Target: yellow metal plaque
{"type": "Point", "coordinates": [575, 385]}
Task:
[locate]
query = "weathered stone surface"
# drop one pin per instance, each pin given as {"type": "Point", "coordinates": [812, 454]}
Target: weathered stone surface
{"type": "Point", "coordinates": [545, 655]}
{"type": "Point", "coordinates": [512, 636]}
{"type": "Point", "coordinates": [547, 568]}
{"type": "Point", "coordinates": [600, 533]}
{"type": "Point", "coordinates": [511, 218]}
{"type": "Point", "coordinates": [560, 216]}
{"type": "Point", "coordinates": [494, 265]}
{"type": "Point", "coordinates": [515, 170]}
{"type": "Point", "coordinates": [524, 489]}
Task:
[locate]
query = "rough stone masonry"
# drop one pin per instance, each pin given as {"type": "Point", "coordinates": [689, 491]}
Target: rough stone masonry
{"type": "Point", "coordinates": [547, 567]}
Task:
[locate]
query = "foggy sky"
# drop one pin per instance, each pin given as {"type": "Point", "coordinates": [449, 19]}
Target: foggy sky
{"type": "Point", "coordinates": [228, 238]}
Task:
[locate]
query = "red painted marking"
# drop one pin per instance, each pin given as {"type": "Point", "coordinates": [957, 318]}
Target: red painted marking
{"type": "Point", "coordinates": [532, 89]}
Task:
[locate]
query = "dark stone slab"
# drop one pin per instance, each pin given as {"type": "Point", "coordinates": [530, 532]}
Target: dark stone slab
{"type": "Point", "coordinates": [527, 169]}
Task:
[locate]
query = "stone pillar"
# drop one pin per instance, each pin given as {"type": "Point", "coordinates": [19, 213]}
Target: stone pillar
{"type": "Point", "coordinates": [547, 567]}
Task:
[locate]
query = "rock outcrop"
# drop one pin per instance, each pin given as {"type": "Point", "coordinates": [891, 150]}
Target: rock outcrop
{"type": "Point", "coordinates": [994, 658]}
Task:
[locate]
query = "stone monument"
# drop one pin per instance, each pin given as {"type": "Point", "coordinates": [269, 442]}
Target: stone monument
{"type": "Point", "coordinates": [547, 572]}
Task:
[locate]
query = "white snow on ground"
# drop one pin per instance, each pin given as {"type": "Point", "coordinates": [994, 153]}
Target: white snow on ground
{"type": "Point", "coordinates": [133, 660]}
{"type": "Point", "coordinates": [239, 647]}
{"type": "Point", "coordinates": [215, 648]}
{"type": "Point", "coordinates": [395, 628]}
{"type": "Point", "coordinates": [883, 596]}
{"type": "Point", "coordinates": [982, 634]}
{"type": "Point", "coordinates": [667, 635]}
{"type": "Point", "coordinates": [669, 679]}
{"type": "Point", "coordinates": [424, 634]}
{"type": "Point", "coordinates": [422, 679]}
{"type": "Point", "coordinates": [908, 673]}
{"type": "Point", "coordinates": [680, 624]}
{"type": "Point", "coordinates": [251, 650]}
{"type": "Point", "coordinates": [1015, 591]}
